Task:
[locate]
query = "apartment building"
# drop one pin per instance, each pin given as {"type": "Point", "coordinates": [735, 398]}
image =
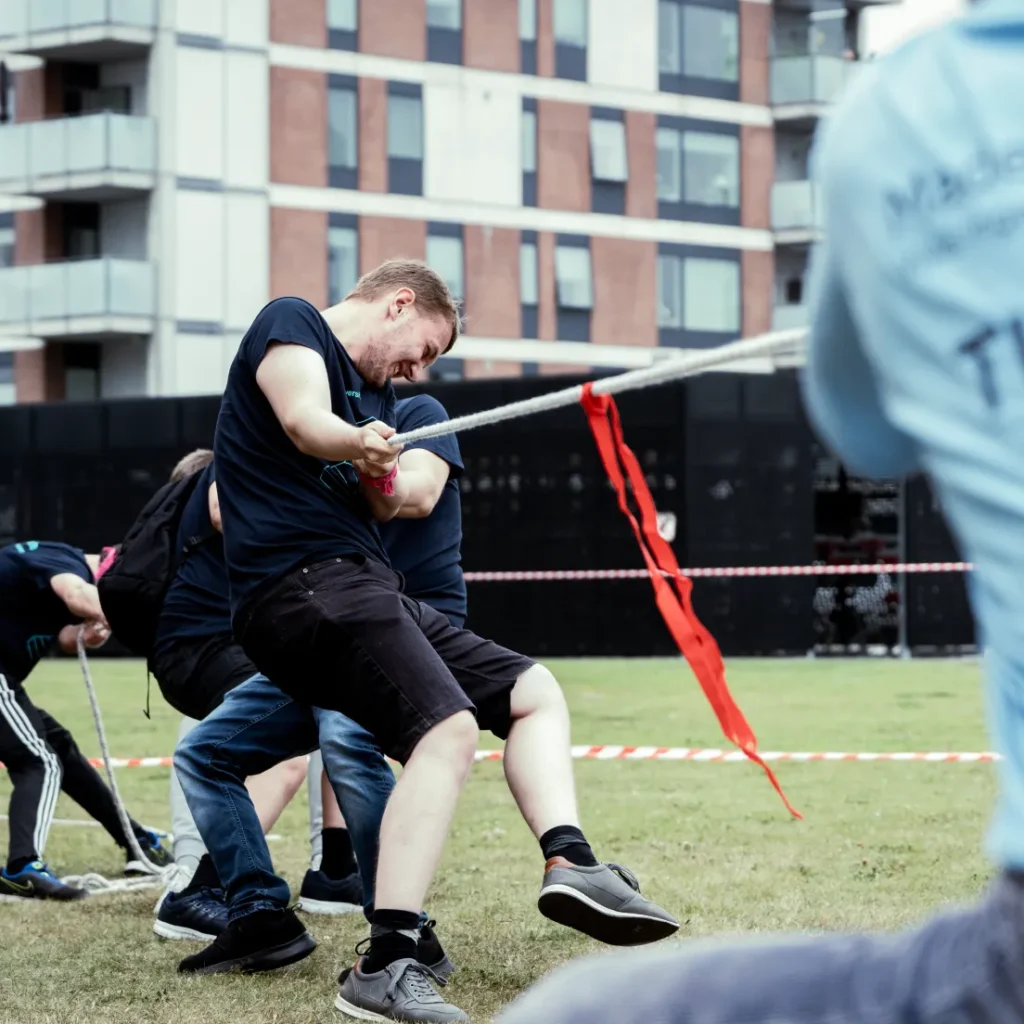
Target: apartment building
{"type": "Point", "coordinates": [602, 182]}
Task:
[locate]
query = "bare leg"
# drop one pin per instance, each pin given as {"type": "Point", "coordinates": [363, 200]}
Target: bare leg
{"type": "Point", "coordinates": [272, 790]}
{"type": "Point", "coordinates": [332, 817]}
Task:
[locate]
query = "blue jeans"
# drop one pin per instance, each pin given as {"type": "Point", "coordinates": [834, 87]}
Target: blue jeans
{"type": "Point", "coordinates": [256, 727]}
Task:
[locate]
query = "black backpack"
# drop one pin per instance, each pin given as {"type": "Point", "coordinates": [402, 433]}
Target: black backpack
{"type": "Point", "coordinates": [132, 590]}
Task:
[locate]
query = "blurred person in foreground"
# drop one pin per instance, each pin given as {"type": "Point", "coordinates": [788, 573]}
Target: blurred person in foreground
{"type": "Point", "coordinates": [915, 362]}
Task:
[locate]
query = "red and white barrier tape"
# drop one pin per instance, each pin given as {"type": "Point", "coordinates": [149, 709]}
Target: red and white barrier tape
{"type": "Point", "coordinates": [610, 752]}
{"type": "Point", "coordinates": [874, 568]}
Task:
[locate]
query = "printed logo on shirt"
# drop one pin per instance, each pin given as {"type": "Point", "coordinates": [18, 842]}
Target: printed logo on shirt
{"type": "Point", "coordinates": [354, 394]}
{"type": "Point", "coordinates": [37, 645]}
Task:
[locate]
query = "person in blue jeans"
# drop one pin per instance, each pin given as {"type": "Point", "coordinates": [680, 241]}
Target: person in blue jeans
{"type": "Point", "coordinates": [915, 362]}
{"type": "Point", "coordinates": [258, 726]}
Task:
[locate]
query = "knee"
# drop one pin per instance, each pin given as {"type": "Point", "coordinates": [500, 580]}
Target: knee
{"type": "Point", "coordinates": [190, 755]}
{"type": "Point", "coordinates": [537, 690]}
{"type": "Point", "coordinates": [455, 738]}
{"type": "Point", "coordinates": [293, 774]}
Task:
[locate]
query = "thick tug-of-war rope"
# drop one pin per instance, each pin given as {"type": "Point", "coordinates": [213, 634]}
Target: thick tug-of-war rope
{"type": "Point", "coordinates": [97, 884]}
{"type": "Point", "coordinates": [671, 588]}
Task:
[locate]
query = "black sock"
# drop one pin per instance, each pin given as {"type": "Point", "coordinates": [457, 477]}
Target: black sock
{"type": "Point", "coordinates": [393, 936]}
{"type": "Point", "coordinates": [14, 866]}
{"type": "Point", "coordinates": [205, 877]}
{"type": "Point", "coordinates": [338, 859]}
{"type": "Point", "coordinates": [569, 842]}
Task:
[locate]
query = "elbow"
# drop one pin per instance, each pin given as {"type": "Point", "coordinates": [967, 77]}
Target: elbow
{"type": "Point", "coordinates": [419, 508]}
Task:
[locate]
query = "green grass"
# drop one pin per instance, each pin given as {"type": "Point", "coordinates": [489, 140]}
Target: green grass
{"type": "Point", "coordinates": [879, 846]}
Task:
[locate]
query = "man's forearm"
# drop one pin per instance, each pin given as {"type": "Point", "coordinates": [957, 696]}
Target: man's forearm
{"type": "Point", "coordinates": [323, 435]}
{"type": "Point", "coordinates": [82, 599]}
{"type": "Point", "coordinates": [386, 506]}
{"type": "Point", "coordinates": [419, 495]}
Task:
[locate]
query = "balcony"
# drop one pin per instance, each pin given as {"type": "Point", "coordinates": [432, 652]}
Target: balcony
{"type": "Point", "coordinates": [81, 299]}
{"type": "Point", "coordinates": [94, 157]}
{"type": "Point", "coordinates": [803, 87]}
{"type": "Point", "coordinates": [790, 317]}
{"type": "Point", "coordinates": [84, 30]}
{"type": "Point", "coordinates": [796, 212]}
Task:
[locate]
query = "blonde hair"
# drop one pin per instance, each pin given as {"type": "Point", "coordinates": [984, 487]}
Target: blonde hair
{"type": "Point", "coordinates": [433, 297]}
{"type": "Point", "coordinates": [192, 463]}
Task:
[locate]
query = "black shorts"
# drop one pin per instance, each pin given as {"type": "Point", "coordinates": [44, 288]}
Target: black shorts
{"type": "Point", "coordinates": [341, 635]}
{"type": "Point", "coordinates": [196, 673]}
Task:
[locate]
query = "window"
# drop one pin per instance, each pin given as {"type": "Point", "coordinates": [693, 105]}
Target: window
{"type": "Point", "coordinates": [528, 124]}
{"type": "Point", "coordinates": [528, 37]}
{"type": "Point", "coordinates": [608, 160]}
{"type": "Point", "coordinates": [342, 261]}
{"type": "Point", "coordinates": [444, 14]}
{"type": "Point", "coordinates": [670, 166]}
{"type": "Point", "coordinates": [710, 43]}
{"type": "Point", "coordinates": [405, 139]}
{"type": "Point", "coordinates": [82, 372]}
{"type": "Point", "coordinates": [6, 240]}
{"type": "Point", "coordinates": [670, 291]}
{"type": "Point", "coordinates": [711, 169]}
{"type": "Point", "coordinates": [570, 30]}
{"type": "Point", "coordinates": [444, 254]}
{"type": "Point", "coordinates": [343, 15]}
{"type": "Point", "coordinates": [711, 292]}
{"type": "Point", "coordinates": [529, 289]}
{"type": "Point", "coordinates": [573, 277]}
{"type": "Point", "coordinates": [342, 135]}
{"type": "Point", "coordinates": [669, 33]}
{"type": "Point", "coordinates": [7, 390]}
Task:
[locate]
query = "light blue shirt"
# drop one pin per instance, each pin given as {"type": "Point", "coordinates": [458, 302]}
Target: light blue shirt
{"type": "Point", "coordinates": [916, 350]}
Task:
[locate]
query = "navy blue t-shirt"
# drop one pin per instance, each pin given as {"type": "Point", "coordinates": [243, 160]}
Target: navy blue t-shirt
{"type": "Point", "coordinates": [31, 614]}
{"type": "Point", "coordinates": [428, 552]}
{"type": "Point", "coordinates": [280, 508]}
{"type": "Point", "coordinates": [196, 603]}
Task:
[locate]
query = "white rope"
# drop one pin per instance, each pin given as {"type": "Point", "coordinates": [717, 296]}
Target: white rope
{"type": "Point", "coordinates": [660, 373]}
{"type": "Point", "coordinates": [97, 884]}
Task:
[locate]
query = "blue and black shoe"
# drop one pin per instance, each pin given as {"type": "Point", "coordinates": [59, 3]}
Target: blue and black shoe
{"type": "Point", "coordinates": [156, 854]}
{"type": "Point", "coordinates": [200, 914]}
{"type": "Point", "coordinates": [322, 895]}
{"type": "Point", "coordinates": [36, 881]}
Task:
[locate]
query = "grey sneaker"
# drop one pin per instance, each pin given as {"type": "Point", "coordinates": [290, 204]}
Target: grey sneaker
{"type": "Point", "coordinates": [603, 902]}
{"type": "Point", "coordinates": [402, 991]}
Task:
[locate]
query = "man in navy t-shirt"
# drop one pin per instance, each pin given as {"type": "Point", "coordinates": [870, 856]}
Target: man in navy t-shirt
{"type": "Point", "coordinates": [46, 591]}
{"type": "Point", "coordinates": [304, 474]}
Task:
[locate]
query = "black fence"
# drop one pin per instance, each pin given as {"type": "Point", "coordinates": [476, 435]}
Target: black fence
{"type": "Point", "coordinates": [731, 457]}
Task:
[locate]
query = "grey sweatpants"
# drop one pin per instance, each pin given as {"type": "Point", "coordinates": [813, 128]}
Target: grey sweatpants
{"type": "Point", "coordinates": [188, 844]}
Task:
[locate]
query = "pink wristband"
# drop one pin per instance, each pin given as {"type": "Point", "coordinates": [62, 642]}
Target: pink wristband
{"type": "Point", "coordinates": [384, 484]}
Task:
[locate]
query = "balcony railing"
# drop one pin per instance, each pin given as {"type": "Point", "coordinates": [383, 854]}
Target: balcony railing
{"type": "Point", "coordinates": [64, 147]}
{"type": "Point", "coordinates": [82, 290]}
{"type": "Point", "coordinates": [25, 17]}
{"type": "Point", "coordinates": [809, 79]}
{"type": "Point", "coordinates": [796, 206]}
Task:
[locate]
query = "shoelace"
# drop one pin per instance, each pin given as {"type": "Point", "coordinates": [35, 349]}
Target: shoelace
{"type": "Point", "coordinates": [417, 980]}
{"type": "Point", "coordinates": [626, 875]}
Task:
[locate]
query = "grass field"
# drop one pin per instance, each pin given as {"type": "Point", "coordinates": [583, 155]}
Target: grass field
{"type": "Point", "coordinates": [880, 843]}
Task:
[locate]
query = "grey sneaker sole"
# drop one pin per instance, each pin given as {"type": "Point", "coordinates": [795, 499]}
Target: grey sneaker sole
{"type": "Point", "coordinates": [329, 907]}
{"type": "Point", "coordinates": [568, 906]}
{"type": "Point", "coordinates": [175, 931]}
{"type": "Point", "coordinates": [266, 959]}
{"type": "Point", "coordinates": [345, 1007]}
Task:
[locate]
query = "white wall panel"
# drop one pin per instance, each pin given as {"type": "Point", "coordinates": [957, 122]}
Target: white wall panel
{"type": "Point", "coordinates": [200, 17]}
{"type": "Point", "coordinates": [622, 48]}
{"type": "Point", "coordinates": [199, 256]}
{"type": "Point", "coordinates": [246, 257]}
{"type": "Point", "coordinates": [472, 137]}
{"type": "Point", "coordinates": [198, 366]}
{"type": "Point", "coordinates": [199, 112]}
{"type": "Point", "coordinates": [246, 22]}
{"type": "Point", "coordinates": [246, 126]}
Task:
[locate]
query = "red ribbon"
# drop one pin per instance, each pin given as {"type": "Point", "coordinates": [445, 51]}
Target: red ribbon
{"type": "Point", "coordinates": [671, 589]}
{"type": "Point", "coordinates": [384, 484]}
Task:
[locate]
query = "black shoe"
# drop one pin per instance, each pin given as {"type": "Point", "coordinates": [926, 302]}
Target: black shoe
{"type": "Point", "coordinates": [261, 941]}
{"type": "Point", "coordinates": [35, 881]}
{"type": "Point", "coordinates": [430, 953]}
{"type": "Point", "coordinates": [322, 895]}
{"type": "Point", "coordinates": [199, 914]}
{"type": "Point", "coordinates": [155, 853]}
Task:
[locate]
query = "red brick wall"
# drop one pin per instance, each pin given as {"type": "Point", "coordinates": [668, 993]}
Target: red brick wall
{"type": "Point", "coordinates": [563, 155]}
{"type": "Point", "coordinates": [490, 34]}
{"type": "Point", "coordinates": [547, 312]}
{"type": "Point", "coordinates": [381, 238]}
{"type": "Point", "coordinates": [394, 28]}
{"type": "Point", "coordinates": [757, 172]}
{"type": "Point", "coordinates": [492, 282]}
{"type": "Point", "coordinates": [758, 275]}
{"type": "Point", "coordinates": [642, 188]}
{"type": "Point", "coordinates": [625, 297]}
{"type": "Point", "coordinates": [298, 127]}
{"type": "Point", "coordinates": [755, 47]}
{"type": "Point", "coordinates": [545, 38]}
{"type": "Point", "coordinates": [299, 22]}
{"type": "Point", "coordinates": [373, 135]}
{"type": "Point", "coordinates": [298, 254]}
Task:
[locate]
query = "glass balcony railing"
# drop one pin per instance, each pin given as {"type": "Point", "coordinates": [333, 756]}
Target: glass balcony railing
{"type": "Point", "coordinates": [788, 317]}
{"type": "Point", "coordinates": [77, 289]}
{"type": "Point", "coordinates": [796, 205]}
{"type": "Point", "coordinates": [77, 145]}
{"type": "Point", "coordinates": [808, 79]}
{"type": "Point", "coordinates": [23, 17]}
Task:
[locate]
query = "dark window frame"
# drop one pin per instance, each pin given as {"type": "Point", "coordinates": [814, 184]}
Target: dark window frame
{"type": "Point", "coordinates": [339, 176]}
{"type": "Point", "coordinates": [691, 85]}
{"type": "Point", "coordinates": [699, 212]}
{"type": "Point", "coordinates": [680, 337]}
{"type": "Point", "coordinates": [341, 220]}
{"type": "Point", "coordinates": [405, 174]}
{"type": "Point", "coordinates": [606, 195]}
{"type": "Point", "coordinates": [573, 322]}
{"type": "Point", "coordinates": [530, 177]}
{"type": "Point", "coordinates": [529, 312]}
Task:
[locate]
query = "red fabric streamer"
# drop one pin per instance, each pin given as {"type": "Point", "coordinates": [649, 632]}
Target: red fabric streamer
{"type": "Point", "coordinates": [384, 484]}
{"type": "Point", "coordinates": [671, 589]}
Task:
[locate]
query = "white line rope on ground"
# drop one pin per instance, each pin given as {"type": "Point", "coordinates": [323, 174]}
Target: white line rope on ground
{"type": "Point", "coordinates": [97, 884]}
{"type": "Point", "coordinates": [660, 373]}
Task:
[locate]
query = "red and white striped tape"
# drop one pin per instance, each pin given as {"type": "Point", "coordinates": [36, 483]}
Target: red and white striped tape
{"type": "Point", "coordinates": [612, 752]}
{"type": "Point", "coordinates": [874, 568]}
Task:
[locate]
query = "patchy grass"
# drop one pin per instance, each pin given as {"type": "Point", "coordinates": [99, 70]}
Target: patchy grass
{"type": "Point", "coordinates": [880, 844]}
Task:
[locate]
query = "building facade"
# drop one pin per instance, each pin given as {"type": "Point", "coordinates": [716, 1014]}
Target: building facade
{"type": "Point", "coordinates": [599, 181]}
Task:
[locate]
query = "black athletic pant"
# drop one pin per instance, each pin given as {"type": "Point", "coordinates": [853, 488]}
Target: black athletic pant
{"type": "Point", "coordinates": [42, 758]}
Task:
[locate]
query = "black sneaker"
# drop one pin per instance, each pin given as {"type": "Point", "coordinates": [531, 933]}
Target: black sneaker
{"type": "Point", "coordinates": [198, 914]}
{"type": "Point", "coordinates": [36, 881]}
{"type": "Point", "coordinates": [261, 941]}
{"type": "Point", "coordinates": [156, 854]}
{"type": "Point", "coordinates": [430, 953]}
{"type": "Point", "coordinates": [322, 895]}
